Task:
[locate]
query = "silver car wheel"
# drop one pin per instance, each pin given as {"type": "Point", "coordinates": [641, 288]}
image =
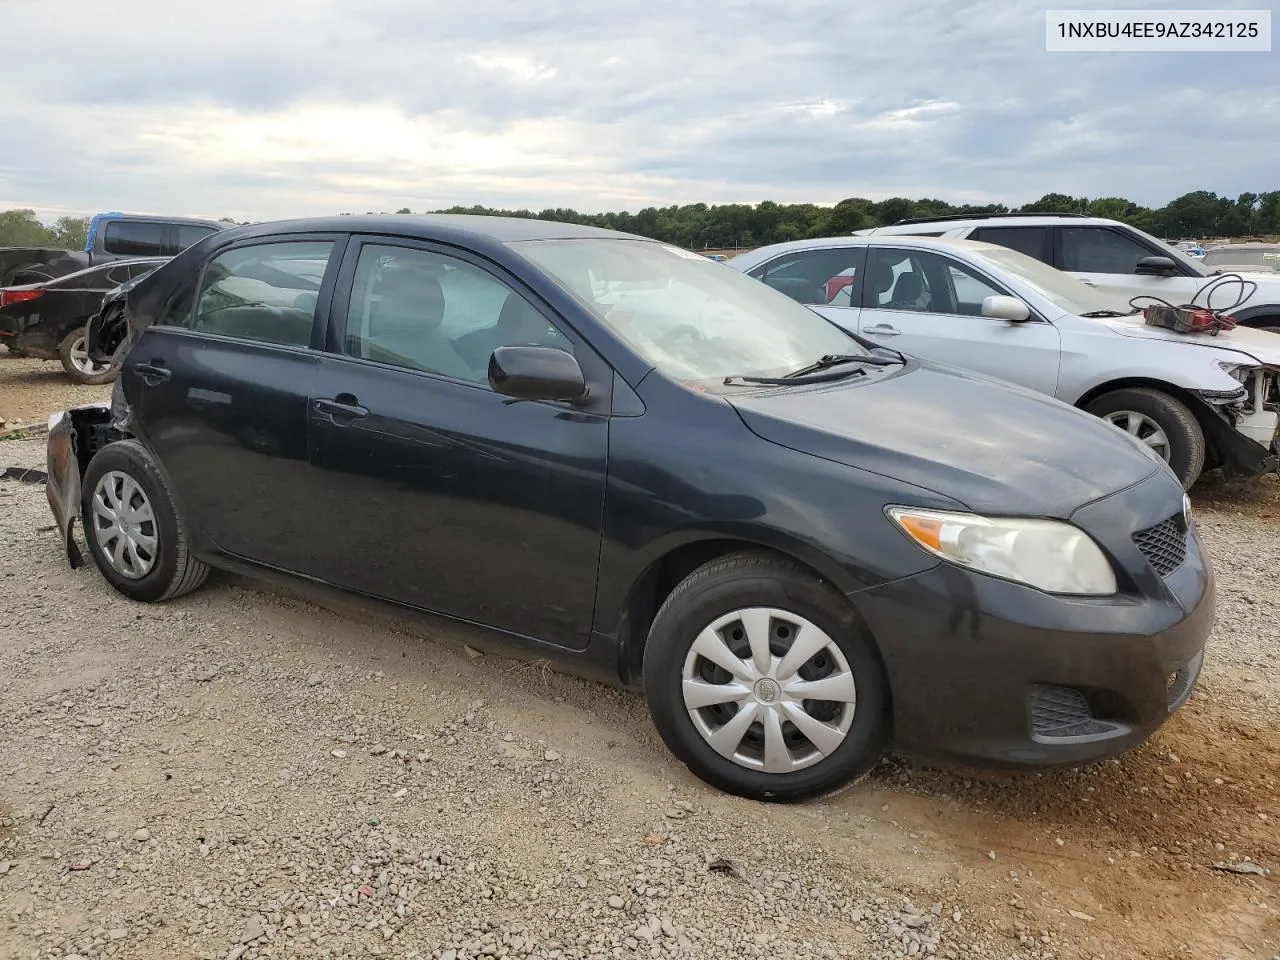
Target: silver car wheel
{"type": "Point", "coordinates": [124, 525]}
{"type": "Point", "coordinates": [1144, 428]}
{"type": "Point", "coordinates": [81, 360]}
{"type": "Point", "coordinates": [769, 690]}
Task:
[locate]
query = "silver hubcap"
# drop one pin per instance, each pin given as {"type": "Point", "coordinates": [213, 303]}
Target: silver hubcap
{"type": "Point", "coordinates": [769, 690]}
{"type": "Point", "coordinates": [81, 361]}
{"type": "Point", "coordinates": [1142, 427]}
{"type": "Point", "coordinates": [124, 525]}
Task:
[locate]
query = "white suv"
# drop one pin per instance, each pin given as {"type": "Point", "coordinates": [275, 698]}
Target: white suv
{"type": "Point", "coordinates": [1111, 256]}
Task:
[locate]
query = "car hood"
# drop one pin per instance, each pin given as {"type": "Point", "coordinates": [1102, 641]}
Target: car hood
{"type": "Point", "coordinates": [996, 448]}
{"type": "Point", "coordinates": [1264, 347]}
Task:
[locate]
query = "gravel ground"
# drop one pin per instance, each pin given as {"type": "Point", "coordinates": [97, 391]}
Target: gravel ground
{"type": "Point", "coordinates": [261, 771]}
{"type": "Point", "coordinates": [32, 389]}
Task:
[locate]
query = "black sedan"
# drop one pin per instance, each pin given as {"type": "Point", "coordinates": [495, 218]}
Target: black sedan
{"type": "Point", "coordinates": [602, 448]}
{"type": "Point", "coordinates": [48, 319]}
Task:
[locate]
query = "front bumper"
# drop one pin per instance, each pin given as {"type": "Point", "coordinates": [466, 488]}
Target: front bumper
{"type": "Point", "coordinates": [989, 673]}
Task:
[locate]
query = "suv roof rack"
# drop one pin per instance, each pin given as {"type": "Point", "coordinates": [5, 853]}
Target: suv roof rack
{"type": "Point", "coordinates": [984, 216]}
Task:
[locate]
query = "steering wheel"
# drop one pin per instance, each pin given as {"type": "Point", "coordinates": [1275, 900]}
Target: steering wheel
{"type": "Point", "coordinates": [679, 332]}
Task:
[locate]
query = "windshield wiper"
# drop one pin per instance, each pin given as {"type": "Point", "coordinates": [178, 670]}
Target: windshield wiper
{"type": "Point", "coordinates": [837, 359]}
{"type": "Point", "coordinates": [1108, 313]}
{"type": "Point", "coordinates": [820, 371]}
{"type": "Point", "coordinates": [792, 379]}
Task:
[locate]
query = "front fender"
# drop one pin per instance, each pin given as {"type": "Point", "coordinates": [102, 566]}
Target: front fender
{"type": "Point", "coordinates": [68, 449]}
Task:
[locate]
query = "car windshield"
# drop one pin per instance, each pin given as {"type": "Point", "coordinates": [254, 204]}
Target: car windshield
{"type": "Point", "coordinates": [1266, 259]}
{"type": "Point", "coordinates": [1063, 290]}
{"type": "Point", "coordinates": [687, 315]}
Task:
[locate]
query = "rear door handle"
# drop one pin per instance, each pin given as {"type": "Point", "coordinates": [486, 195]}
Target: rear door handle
{"type": "Point", "coordinates": [882, 330]}
{"type": "Point", "coordinates": [152, 374]}
{"type": "Point", "coordinates": [340, 410]}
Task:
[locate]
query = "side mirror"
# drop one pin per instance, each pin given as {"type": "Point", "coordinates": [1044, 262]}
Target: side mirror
{"type": "Point", "coordinates": [1006, 308]}
{"type": "Point", "coordinates": [1155, 266]}
{"type": "Point", "coordinates": [536, 373]}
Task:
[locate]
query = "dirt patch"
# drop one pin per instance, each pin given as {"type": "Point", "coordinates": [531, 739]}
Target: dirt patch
{"type": "Point", "coordinates": [30, 390]}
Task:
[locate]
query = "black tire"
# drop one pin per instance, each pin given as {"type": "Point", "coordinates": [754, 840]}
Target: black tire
{"type": "Point", "coordinates": [1186, 436]}
{"type": "Point", "coordinates": [174, 571]}
{"type": "Point", "coordinates": [756, 579]}
{"type": "Point", "coordinates": [77, 375]}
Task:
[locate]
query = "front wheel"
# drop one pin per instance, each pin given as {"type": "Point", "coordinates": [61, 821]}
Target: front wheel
{"type": "Point", "coordinates": [1162, 422]}
{"type": "Point", "coordinates": [80, 367]}
{"type": "Point", "coordinates": [761, 680]}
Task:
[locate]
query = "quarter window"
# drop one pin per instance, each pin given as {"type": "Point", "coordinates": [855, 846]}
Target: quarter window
{"type": "Point", "coordinates": [266, 292]}
{"type": "Point", "coordinates": [825, 277]}
{"type": "Point", "coordinates": [427, 311]}
{"type": "Point", "coordinates": [134, 238]}
{"type": "Point", "coordinates": [1100, 250]}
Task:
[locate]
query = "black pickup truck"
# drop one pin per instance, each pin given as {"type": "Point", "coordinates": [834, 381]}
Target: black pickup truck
{"type": "Point", "coordinates": [112, 236]}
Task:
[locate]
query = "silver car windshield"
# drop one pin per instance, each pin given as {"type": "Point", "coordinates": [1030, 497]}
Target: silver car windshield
{"type": "Point", "coordinates": [690, 317]}
{"type": "Point", "coordinates": [1061, 289]}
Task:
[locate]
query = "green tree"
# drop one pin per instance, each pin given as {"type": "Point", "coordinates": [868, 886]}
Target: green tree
{"type": "Point", "coordinates": [70, 233]}
{"type": "Point", "coordinates": [21, 228]}
{"type": "Point", "coordinates": [1055, 203]}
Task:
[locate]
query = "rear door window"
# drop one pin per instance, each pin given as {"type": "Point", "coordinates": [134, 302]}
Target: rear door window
{"type": "Point", "coordinates": [1033, 241]}
{"type": "Point", "coordinates": [134, 238]}
{"type": "Point", "coordinates": [823, 277]}
{"type": "Point", "coordinates": [188, 235]}
{"type": "Point", "coordinates": [266, 292]}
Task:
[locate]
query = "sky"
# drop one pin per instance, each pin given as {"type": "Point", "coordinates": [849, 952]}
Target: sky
{"type": "Point", "coordinates": [259, 109]}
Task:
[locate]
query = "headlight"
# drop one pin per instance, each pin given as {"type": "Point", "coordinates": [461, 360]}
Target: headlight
{"type": "Point", "coordinates": [1236, 371]}
{"type": "Point", "coordinates": [1047, 554]}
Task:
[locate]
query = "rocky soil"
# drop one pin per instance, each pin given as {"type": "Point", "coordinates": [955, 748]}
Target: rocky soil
{"type": "Point", "coordinates": [257, 771]}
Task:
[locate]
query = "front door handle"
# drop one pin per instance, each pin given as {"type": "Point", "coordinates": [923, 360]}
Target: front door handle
{"type": "Point", "coordinates": [341, 409]}
{"type": "Point", "coordinates": [152, 374]}
{"type": "Point", "coordinates": [882, 330]}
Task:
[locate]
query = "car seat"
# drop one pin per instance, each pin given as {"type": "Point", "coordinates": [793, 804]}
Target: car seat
{"type": "Point", "coordinates": [404, 323]}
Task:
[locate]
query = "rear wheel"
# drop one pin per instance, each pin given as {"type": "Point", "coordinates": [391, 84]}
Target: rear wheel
{"type": "Point", "coordinates": [1162, 422]}
{"type": "Point", "coordinates": [136, 536]}
{"type": "Point", "coordinates": [80, 367]}
{"type": "Point", "coordinates": [761, 680]}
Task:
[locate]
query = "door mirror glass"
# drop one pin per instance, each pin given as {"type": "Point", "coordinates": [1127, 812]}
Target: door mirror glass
{"type": "Point", "coordinates": [536, 373]}
{"type": "Point", "coordinates": [1155, 266]}
{"type": "Point", "coordinates": [1006, 308]}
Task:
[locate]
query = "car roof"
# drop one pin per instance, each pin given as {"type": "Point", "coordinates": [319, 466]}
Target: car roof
{"type": "Point", "coordinates": [761, 254]}
{"type": "Point", "coordinates": [181, 221]}
{"type": "Point", "coordinates": [992, 220]}
{"type": "Point", "coordinates": [438, 226]}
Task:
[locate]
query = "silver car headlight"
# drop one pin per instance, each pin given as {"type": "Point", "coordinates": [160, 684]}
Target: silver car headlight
{"type": "Point", "coordinates": [1050, 555]}
{"type": "Point", "coordinates": [1236, 371]}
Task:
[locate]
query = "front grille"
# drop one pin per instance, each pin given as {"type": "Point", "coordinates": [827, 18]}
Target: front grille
{"type": "Point", "coordinates": [1180, 683]}
{"type": "Point", "coordinates": [1164, 545]}
{"type": "Point", "coordinates": [1058, 712]}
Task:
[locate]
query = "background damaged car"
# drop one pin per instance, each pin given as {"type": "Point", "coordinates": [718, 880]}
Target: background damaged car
{"type": "Point", "coordinates": [1200, 401]}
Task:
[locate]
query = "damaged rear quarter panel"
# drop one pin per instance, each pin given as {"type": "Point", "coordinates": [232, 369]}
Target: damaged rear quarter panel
{"type": "Point", "coordinates": [74, 436]}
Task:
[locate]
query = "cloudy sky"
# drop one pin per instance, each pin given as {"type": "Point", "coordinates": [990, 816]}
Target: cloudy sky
{"type": "Point", "coordinates": [269, 108]}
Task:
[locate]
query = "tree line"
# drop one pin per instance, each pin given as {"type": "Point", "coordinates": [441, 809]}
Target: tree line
{"type": "Point", "coordinates": [22, 228]}
{"type": "Point", "coordinates": [700, 226]}
{"type": "Point", "coordinates": [1200, 214]}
